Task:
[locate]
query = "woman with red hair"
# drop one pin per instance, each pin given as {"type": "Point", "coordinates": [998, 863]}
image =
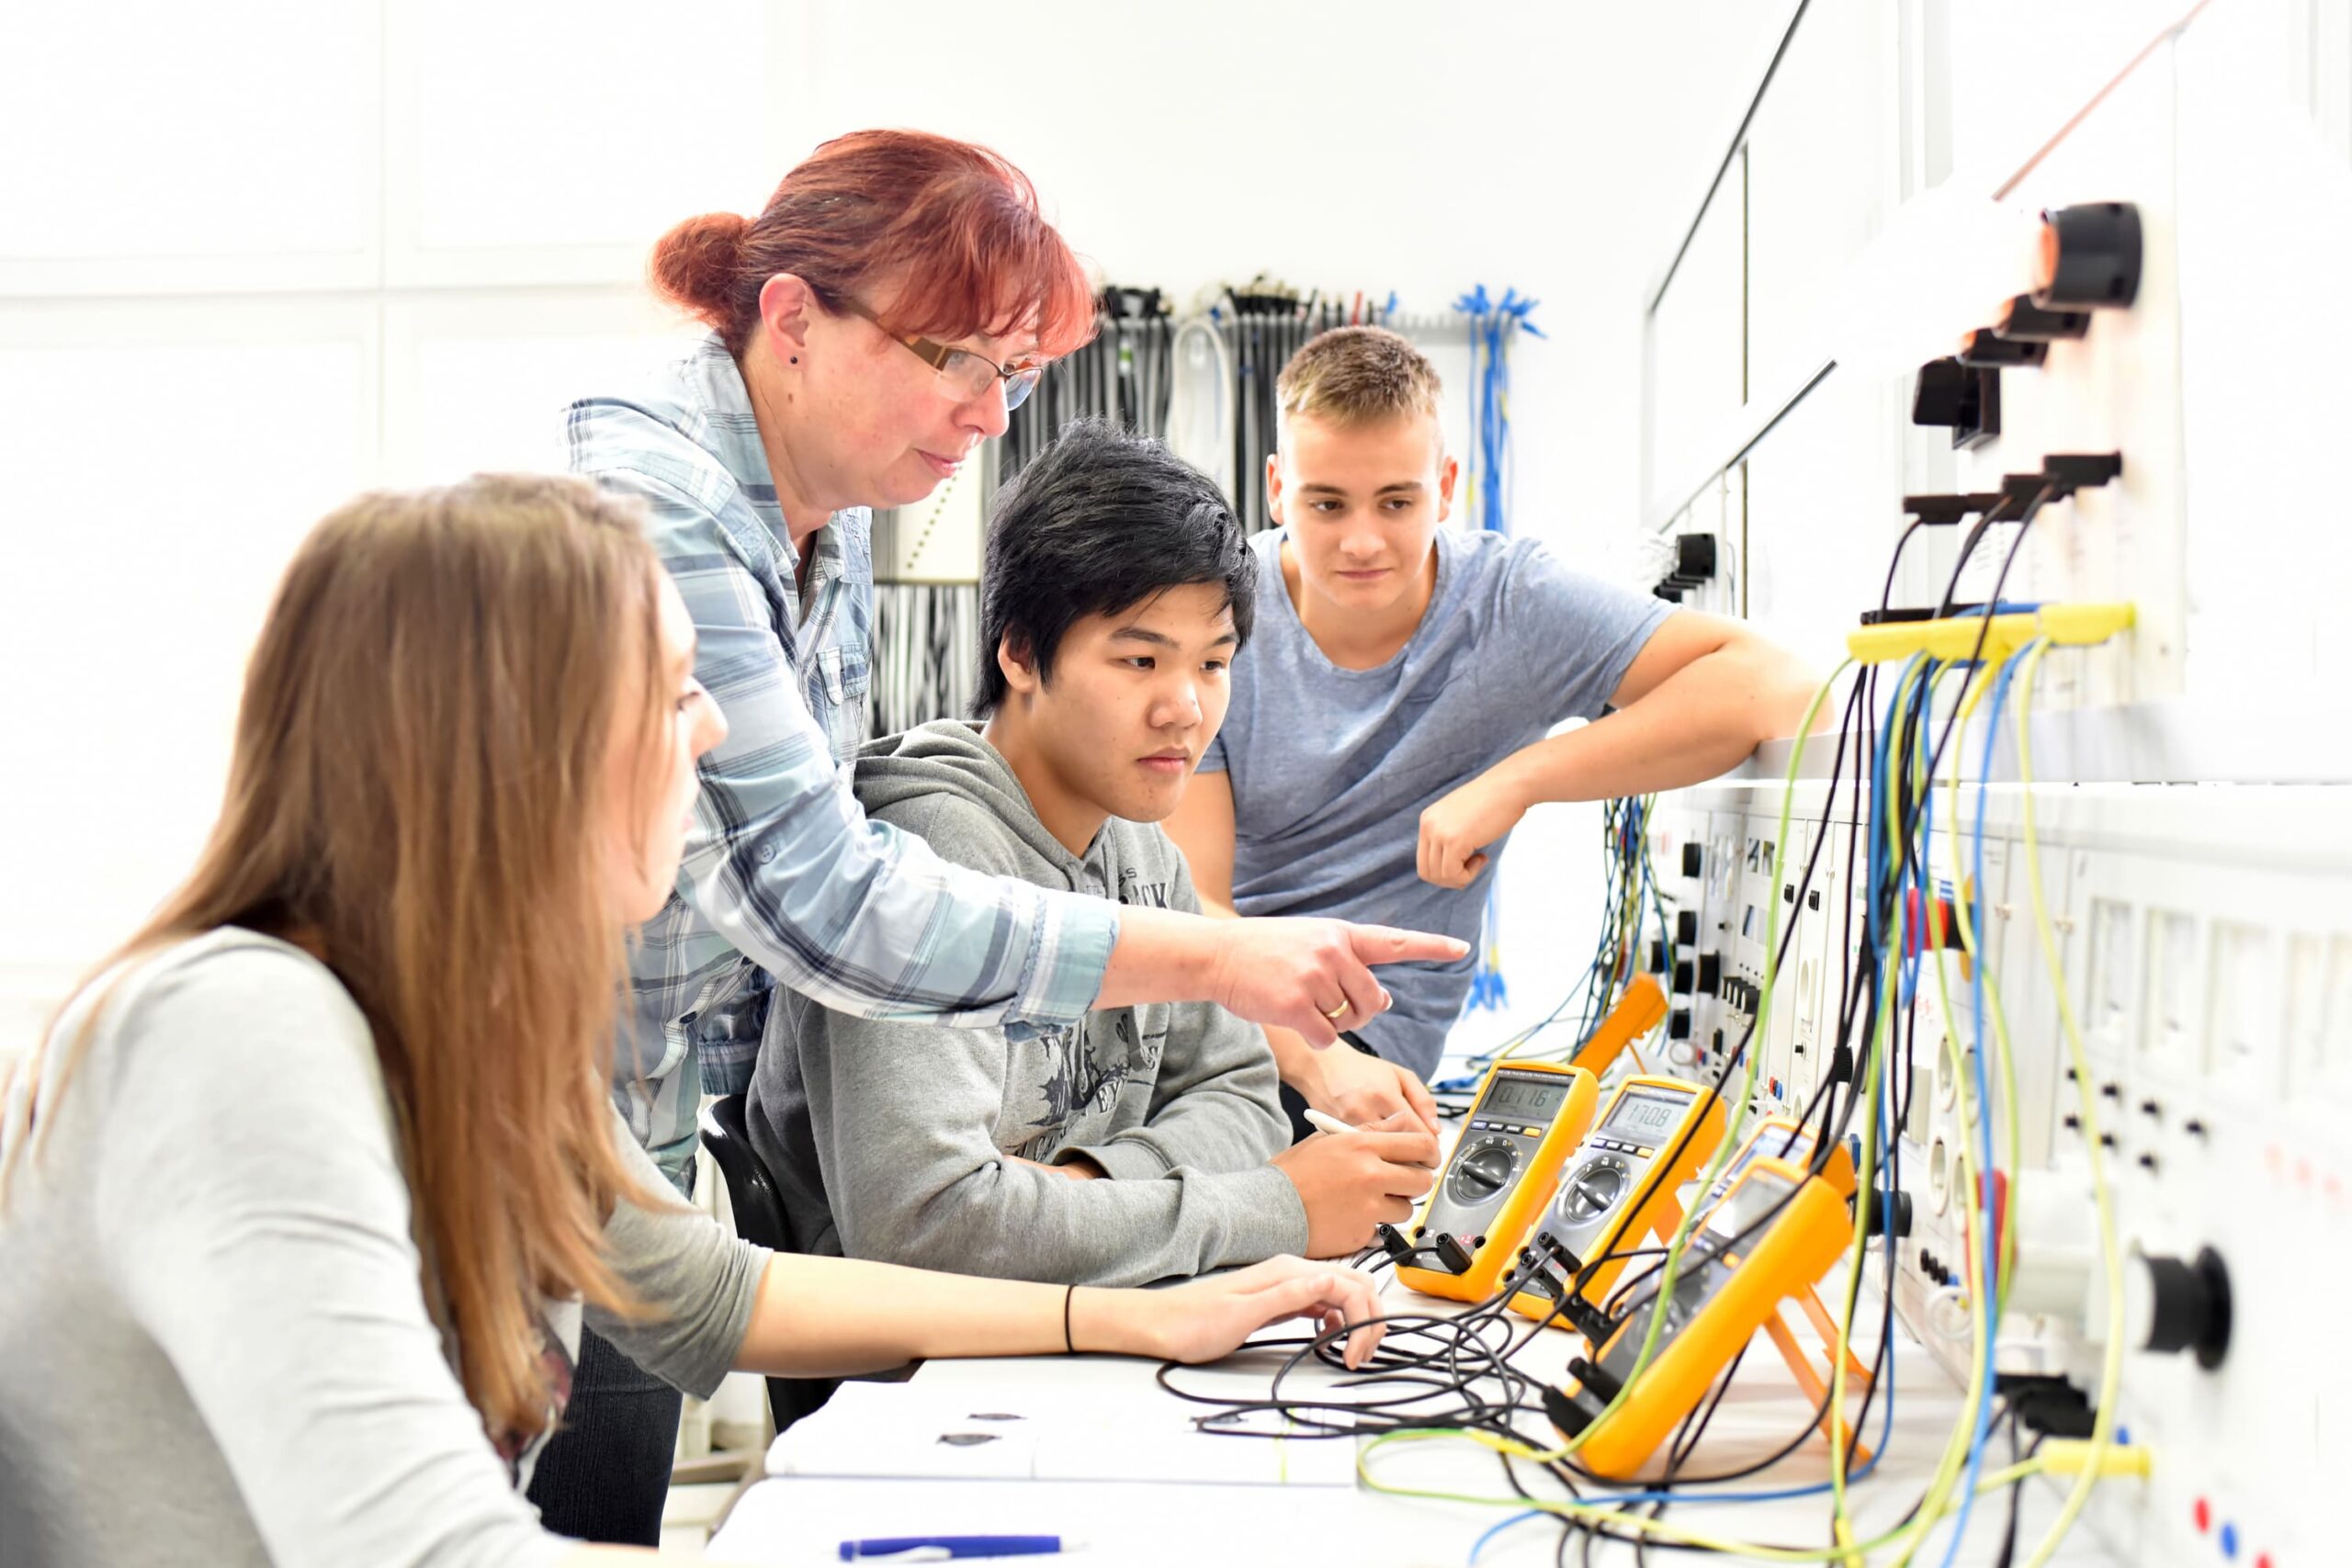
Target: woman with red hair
{"type": "Point", "coordinates": [897, 295]}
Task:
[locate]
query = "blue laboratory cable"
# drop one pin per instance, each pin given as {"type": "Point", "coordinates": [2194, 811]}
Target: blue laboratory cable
{"type": "Point", "coordinates": [1988, 1308]}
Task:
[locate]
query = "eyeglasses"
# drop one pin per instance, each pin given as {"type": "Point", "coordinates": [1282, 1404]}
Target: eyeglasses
{"type": "Point", "coordinates": [963, 375]}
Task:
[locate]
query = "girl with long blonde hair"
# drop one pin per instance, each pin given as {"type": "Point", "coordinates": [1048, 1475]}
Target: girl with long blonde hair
{"type": "Point", "coordinates": [304, 1197]}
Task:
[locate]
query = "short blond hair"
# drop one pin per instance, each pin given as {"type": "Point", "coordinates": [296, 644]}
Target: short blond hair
{"type": "Point", "coordinates": [1354, 376]}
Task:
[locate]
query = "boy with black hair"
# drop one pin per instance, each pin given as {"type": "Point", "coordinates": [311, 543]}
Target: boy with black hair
{"type": "Point", "coordinates": [1143, 1142]}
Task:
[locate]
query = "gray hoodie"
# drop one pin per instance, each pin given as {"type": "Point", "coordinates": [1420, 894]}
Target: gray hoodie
{"type": "Point", "coordinates": [889, 1139]}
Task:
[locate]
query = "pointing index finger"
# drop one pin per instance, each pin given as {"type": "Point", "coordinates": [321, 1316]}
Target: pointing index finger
{"type": "Point", "coordinates": [1389, 944]}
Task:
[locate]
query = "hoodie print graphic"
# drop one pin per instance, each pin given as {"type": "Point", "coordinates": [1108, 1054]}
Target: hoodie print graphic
{"type": "Point", "coordinates": [1133, 890]}
{"type": "Point", "coordinates": [1082, 1082]}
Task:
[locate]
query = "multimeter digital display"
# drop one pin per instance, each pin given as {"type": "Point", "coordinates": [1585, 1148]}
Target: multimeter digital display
{"type": "Point", "coordinates": [1533, 1101]}
{"type": "Point", "coordinates": [1527, 1119]}
{"type": "Point", "coordinates": [1620, 1187]}
{"type": "Point", "coordinates": [1721, 1299]}
{"type": "Point", "coordinates": [1648, 1117]}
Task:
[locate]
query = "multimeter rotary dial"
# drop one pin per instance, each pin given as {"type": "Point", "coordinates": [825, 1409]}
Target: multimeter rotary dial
{"type": "Point", "coordinates": [1594, 1187]}
{"type": "Point", "coordinates": [1481, 1170]}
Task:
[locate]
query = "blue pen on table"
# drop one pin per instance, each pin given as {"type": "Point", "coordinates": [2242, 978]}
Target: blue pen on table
{"type": "Point", "coordinates": [942, 1548]}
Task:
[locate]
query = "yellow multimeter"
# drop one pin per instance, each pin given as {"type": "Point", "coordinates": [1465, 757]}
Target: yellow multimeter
{"type": "Point", "coordinates": [1782, 1138]}
{"type": "Point", "coordinates": [1528, 1118]}
{"type": "Point", "coordinates": [1721, 1298]}
{"type": "Point", "coordinates": [1619, 1189]}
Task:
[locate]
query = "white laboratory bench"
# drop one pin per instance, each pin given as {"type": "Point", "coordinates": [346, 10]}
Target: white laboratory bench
{"type": "Point", "coordinates": [803, 1518]}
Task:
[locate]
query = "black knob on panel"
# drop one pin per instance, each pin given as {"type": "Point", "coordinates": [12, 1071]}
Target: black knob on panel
{"type": "Point", "coordinates": [1711, 973]}
{"type": "Point", "coordinates": [1693, 860]}
{"type": "Point", "coordinates": [1965, 401]}
{"type": "Point", "coordinates": [1941, 393]}
{"type": "Point", "coordinates": [1685, 973]}
{"type": "Point", "coordinates": [2192, 1306]}
{"type": "Point", "coordinates": [2089, 256]}
{"type": "Point", "coordinates": [1686, 926]}
{"type": "Point", "coordinates": [1677, 1024]}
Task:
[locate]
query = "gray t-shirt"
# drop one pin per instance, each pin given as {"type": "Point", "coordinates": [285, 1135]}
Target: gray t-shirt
{"type": "Point", "coordinates": [1332, 768]}
{"type": "Point", "coordinates": [215, 1346]}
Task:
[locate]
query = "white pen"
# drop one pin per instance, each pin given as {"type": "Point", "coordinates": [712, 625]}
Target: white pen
{"type": "Point", "coordinates": [1323, 1124]}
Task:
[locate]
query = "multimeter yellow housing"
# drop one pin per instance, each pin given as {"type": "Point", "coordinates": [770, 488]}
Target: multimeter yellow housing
{"type": "Point", "coordinates": [1720, 1300]}
{"type": "Point", "coordinates": [1528, 1118]}
{"type": "Point", "coordinates": [1615, 1192]}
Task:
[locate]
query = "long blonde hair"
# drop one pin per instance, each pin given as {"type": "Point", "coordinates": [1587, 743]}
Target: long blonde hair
{"type": "Point", "coordinates": [415, 792]}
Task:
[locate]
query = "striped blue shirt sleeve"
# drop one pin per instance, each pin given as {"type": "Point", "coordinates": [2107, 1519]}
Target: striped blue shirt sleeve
{"type": "Point", "coordinates": [781, 863]}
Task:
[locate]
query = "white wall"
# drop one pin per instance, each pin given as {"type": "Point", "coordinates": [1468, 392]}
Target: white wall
{"type": "Point", "coordinates": [268, 254]}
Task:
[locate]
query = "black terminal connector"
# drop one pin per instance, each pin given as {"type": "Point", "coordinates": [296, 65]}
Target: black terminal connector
{"type": "Point", "coordinates": [1693, 860]}
{"type": "Point", "coordinates": [1677, 1024]}
{"type": "Point", "coordinates": [1656, 964]}
{"type": "Point", "coordinates": [2017, 491]}
{"type": "Point", "coordinates": [1589, 1320]}
{"type": "Point", "coordinates": [2022, 318]}
{"type": "Point", "coordinates": [1667, 592]}
{"type": "Point", "coordinates": [2089, 256]}
{"type": "Point", "coordinates": [1711, 973]}
{"type": "Point", "coordinates": [1962, 399]}
{"type": "Point", "coordinates": [2046, 1402]}
{"type": "Point", "coordinates": [1984, 346]}
{"type": "Point", "coordinates": [1594, 1378]}
{"type": "Point", "coordinates": [1686, 974]}
{"type": "Point", "coordinates": [1694, 560]}
{"type": "Point", "coordinates": [1941, 510]}
{"type": "Point", "coordinates": [2071, 471]}
{"type": "Point", "coordinates": [1393, 1242]}
{"type": "Point", "coordinates": [1686, 926]}
{"type": "Point", "coordinates": [1451, 1256]}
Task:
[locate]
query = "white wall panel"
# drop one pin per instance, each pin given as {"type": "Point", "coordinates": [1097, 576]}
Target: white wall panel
{"type": "Point", "coordinates": [129, 171]}
{"type": "Point", "coordinates": [480, 383]}
{"type": "Point", "coordinates": [1817, 166]}
{"type": "Point", "coordinates": [554, 140]}
{"type": "Point", "coordinates": [143, 552]}
{"type": "Point", "coordinates": [1698, 377]}
{"type": "Point", "coordinates": [1823, 513]}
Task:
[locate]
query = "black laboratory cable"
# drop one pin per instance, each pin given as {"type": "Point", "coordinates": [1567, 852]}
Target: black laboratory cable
{"type": "Point", "coordinates": [1886, 595]}
{"type": "Point", "coordinates": [2008, 1551]}
{"type": "Point", "coordinates": [1514, 1380]}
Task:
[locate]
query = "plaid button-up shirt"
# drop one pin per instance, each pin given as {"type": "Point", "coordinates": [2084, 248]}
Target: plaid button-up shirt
{"type": "Point", "coordinates": [784, 878]}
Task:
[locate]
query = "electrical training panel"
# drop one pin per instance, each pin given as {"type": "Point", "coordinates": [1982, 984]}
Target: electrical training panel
{"type": "Point", "coordinates": [2189, 753]}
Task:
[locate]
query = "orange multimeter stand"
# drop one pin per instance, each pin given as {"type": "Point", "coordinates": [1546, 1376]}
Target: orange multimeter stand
{"type": "Point", "coordinates": [1640, 1008]}
{"type": "Point", "coordinates": [1721, 1298]}
{"type": "Point", "coordinates": [1620, 1187]}
{"type": "Point", "coordinates": [1786, 1137]}
{"type": "Point", "coordinates": [1528, 1118]}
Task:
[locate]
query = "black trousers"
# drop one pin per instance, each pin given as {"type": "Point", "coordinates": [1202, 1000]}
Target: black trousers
{"type": "Point", "coordinates": [605, 1476]}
